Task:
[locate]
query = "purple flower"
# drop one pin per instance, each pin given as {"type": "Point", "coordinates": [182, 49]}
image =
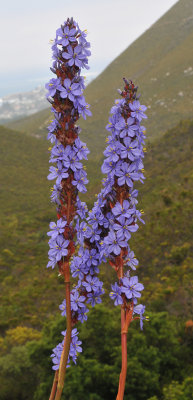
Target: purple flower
{"type": "Point", "coordinates": [124, 227]}
{"type": "Point", "coordinates": [80, 180]}
{"type": "Point", "coordinates": [112, 123]}
{"type": "Point", "coordinates": [57, 153]}
{"type": "Point", "coordinates": [131, 287]}
{"type": "Point", "coordinates": [77, 268]}
{"type": "Point", "coordinates": [58, 247]}
{"type": "Point", "coordinates": [74, 56]}
{"type": "Point", "coordinates": [83, 107]}
{"type": "Point", "coordinates": [112, 152]}
{"type": "Point", "coordinates": [123, 210]}
{"type": "Point", "coordinates": [130, 149]}
{"type": "Point", "coordinates": [93, 234]}
{"type": "Point", "coordinates": [82, 208]}
{"type": "Point", "coordinates": [77, 301]}
{"type": "Point", "coordinates": [80, 230]}
{"type": "Point", "coordinates": [56, 355]}
{"type": "Point", "coordinates": [126, 174]}
{"type": "Point", "coordinates": [53, 126]}
{"type": "Point", "coordinates": [68, 35]}
{"type": "Point", "coordinates": [126, 127]}
{"type": "Point", "coordinates": [59, 173]}
{"type": "Point", "coordinates": [95, 298]}
{"type": "Point", "coordinates": [91, 283]}
{"type": "Point", "coordinates": [70, 90]}
{"type": "Point", "coordinates": [82, 314]}
{"type": "Point", "coordinates": [52, 86]}
{"type": "Point", "coordinates": [116, 294]}
{"type": "Point", "coordinates": [114, 243]}
{"type": "Point", "coordinates": [75, 347]}
{"type": "Point", "coordinates": [140, 309]}
{"type": "Point", "coordinates": [84, 44]}
{"type": "Point", "coordinates": [57, 228]}
{"type": "Point", "coordinates": [81, 149]}
{"type": "Point", "coordinates": [52, 262]}
{"type": "Point", "coordinates": [132, 260]}
{"type": "Point", "coordinates": [137, 110]}
{"type": "Point", "coordinates": [72, 161]}
{"type": "Point", "coordinates": [54, 194]}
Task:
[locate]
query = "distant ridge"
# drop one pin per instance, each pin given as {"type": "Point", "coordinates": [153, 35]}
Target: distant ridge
{"type": "Point", "coordinates": [160, 62]}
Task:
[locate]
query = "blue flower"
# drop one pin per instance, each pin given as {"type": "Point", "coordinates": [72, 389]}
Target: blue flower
{"type": "Point", "coordinates": [126, 174]}
{"type": "Point", "coordinates": [114, 243]}
{"type": "Point", "coordinates": [91, 283]}
{"type": "Point", "coordinates": [131, 260]}
{"type": "Point", "coordinates": [124, 227]}
{"type": "Point", "coordinates": [57, 228]}
{"type": "Point", "coordinates": [58, 173]}
{"type": "Point", "coordinates": [137, 110]}
{"type": "Point", "coordinates": [58, 247]}
{"type": "Point", "coordinates": [116, 294]}
{"type": "Point", "coordinates": [67, 35]}
{"type": "Point", "coordinates": [131, 287]}
{"type": "Point", "coordinates": [70, 90]}
{"type": "Point", "coordinates": [140, 309]}
{"type": "Point", "coordinates": [127, 127]}
{"type": "Point", "coordinates": [123, 210]}
{"type": "Point", "coordinates": [74, 56]}
{"type": "Point", "coordinates": [77, 301]}
{"type": "Point", "coordinates": [52, 86]}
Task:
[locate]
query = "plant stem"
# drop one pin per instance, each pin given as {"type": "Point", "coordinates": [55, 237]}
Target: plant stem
{"type": "Point", "coordinates": [54, 386]}
{"type": "Point", "coordinates": [66, 348]}
{"type": "Point", "coordinates": [126, 318]}
{"type": "Point", "coordinates": [123, 373]}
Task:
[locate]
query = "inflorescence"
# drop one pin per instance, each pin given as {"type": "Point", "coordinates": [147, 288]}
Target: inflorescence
{"type": "Point", "coordinates": [65, 93]}
{"type": "Point", "coordinates": [115, 211]}
{"type": "Point", "coordinates": [103, 233]}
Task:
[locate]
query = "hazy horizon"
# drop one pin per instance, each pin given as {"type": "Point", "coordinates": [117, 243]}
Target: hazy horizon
{"type": "Point", "coordinates": [109, 38]}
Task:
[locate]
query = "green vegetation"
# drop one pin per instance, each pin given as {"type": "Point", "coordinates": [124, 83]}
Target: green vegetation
{"type": "Point", "coordinates": [159, 359]}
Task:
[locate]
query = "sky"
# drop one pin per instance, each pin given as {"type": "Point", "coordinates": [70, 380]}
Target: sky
{"type": "Point", "coordinates": [26, 28]}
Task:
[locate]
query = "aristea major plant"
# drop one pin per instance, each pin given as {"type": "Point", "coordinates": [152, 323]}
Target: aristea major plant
{"type": "Point", "coordinates": [65, 93]}
{"type": "Point", "coordinates": [115, 210]}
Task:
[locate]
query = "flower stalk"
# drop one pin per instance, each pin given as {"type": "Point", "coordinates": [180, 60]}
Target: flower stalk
{"type": "Point", "coordinates": [116, 208]}
{"type": "Point", "coordinates": [65, 93]}
{"type": "Point", "coordinates": [66, 347]}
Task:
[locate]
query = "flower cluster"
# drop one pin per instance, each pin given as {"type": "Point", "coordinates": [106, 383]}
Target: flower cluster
{"type": "Point", "coordinates": [75, 347]}
{"type": "Point", "coordinates": [65, 93]}
{"type": "Point", "coordinates": [84, 268]}
{"type": "Point", "coordinates": [115, 212]}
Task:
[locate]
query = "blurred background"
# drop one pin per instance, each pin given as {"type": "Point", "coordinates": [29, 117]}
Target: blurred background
{"type": "Point", "coordinates": [151, 43]}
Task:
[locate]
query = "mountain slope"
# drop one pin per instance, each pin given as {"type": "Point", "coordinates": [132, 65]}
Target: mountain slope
{"type": "Point", "coordinates": [29, 292]}
{"type": "Point", "coordinates": [160, 62]}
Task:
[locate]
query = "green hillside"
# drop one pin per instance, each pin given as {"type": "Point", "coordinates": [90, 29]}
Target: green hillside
{"type": "Point", "coordinates": [160, 357]}
{"type": "Point", "coordinates": [30, 294]}
{"type": "Point", "coordinates": [160, 62]}
{"type": "Point", "coordinates": [163, 245]}
{"type": "Point", "coordinates": [25, 213]}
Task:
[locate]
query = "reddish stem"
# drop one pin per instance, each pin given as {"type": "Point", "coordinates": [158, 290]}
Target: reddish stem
{"type": "Point", "coordinates": [66, 348]}
{"type": "Point", "coordinates": [126, 318]}
{"type": "Point", "coordinates": [54, 386]}
{"type": "Point", "coordinates": [68, 207]}
{"type": "Point", "coordinates": [124, 357]}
